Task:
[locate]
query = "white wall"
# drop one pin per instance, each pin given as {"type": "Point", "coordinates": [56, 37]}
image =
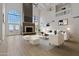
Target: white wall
{"type": "Point", "coordinates": [3, 24]}
{"type": "Point", "coordinates": [75, 9]}
{"type": "Point", "coordinates": [73, 23]}
{"type": "Point", "coordinates": [10, 6]}
{"type": "Point", "coordinates": [1, 20]}
{"type": "Point", "coordinates": [47, 16]}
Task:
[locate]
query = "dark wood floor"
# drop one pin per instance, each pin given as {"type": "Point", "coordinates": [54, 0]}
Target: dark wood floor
{"type": "Point", "coordinates": [17, 46]}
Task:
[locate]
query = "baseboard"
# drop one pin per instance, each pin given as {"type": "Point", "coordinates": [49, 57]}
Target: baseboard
{"type": "Point", "coordinates": [72, 41]}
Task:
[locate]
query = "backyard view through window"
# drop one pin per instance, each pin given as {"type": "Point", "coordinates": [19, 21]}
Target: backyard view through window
{"type": "Point", "coordinates": [13, 20]}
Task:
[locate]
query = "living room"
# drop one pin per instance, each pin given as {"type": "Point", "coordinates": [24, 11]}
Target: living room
{"type": "Point", "coordinates": [39, 29]}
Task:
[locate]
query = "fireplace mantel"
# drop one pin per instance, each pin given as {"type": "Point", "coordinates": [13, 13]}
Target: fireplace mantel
{"type": "Point", "coordinates": [28, 25]}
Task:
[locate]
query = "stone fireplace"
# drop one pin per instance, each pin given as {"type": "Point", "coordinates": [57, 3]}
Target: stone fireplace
{"type": "Point", "coordinates": [28, 25]}
{"type": "Point", "coordinates": [28, 28]}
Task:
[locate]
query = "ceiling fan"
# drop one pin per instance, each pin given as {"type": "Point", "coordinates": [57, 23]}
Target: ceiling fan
{"type": "Point", "coordinates": [35, 5]}
{"type": "Point", "coordinates": [50, 7]}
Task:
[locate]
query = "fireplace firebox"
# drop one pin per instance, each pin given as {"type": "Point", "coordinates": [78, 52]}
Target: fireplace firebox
{"type": "Point", "coordinates": [28, 28]}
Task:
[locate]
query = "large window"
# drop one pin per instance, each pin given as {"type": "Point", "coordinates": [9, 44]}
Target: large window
{"type": "Point", "coordinates": [14, 19]}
